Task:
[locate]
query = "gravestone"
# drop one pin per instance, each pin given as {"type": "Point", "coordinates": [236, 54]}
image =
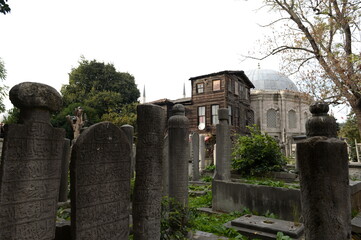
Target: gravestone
{"type": "Point", "coordinates": [165, 166]}
{"type": "Point", "coordinates": [178, 127]}
{"type": "Point", "coordinates": [63, 191]}
{"type": "Point", "coordinates": [324, 179]}
{"type": "Point", "coordinates": [129, 131]}
{"type": "Point", "coordinates": [202, 151]}
{"type": "Point", "coordinates": [223, 147]}
{"type": "Point", "coordinates": [100, 184]}
{"type": "Point", "coordinates": [148, 167]}
{"type": "Point", "coordinates": [195, 155]}
{"type": "Point", "coordinates": [31, 165]}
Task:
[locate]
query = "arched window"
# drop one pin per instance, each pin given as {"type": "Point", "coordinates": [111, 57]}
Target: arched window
{"type": "Point", "coordinates": [292, 119]}
{"type": "Point", "coordinates": [271, 118]}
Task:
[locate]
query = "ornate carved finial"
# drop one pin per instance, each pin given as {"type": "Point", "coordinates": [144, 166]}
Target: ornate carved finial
{"type": "Point", "coordinates": [178, 109]}
{"type": "Point", "coordinates": [321, 124]}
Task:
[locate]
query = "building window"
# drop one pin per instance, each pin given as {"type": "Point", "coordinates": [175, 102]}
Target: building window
{"type": "Point", "coordinates": [216, 85]}
{"type": "Point", "coordinates": [241, 91]}
{"type": "Point", "coordinates": [236, 88]}
{"type": "Point", "coordinates": [246, 93]}
{"type": "Point", "coordinates": [200, 87]}
{"type": "Point", "coordinates": [201, 115]}
{"type": "Point", "coordinates": [271, 118]}
{"type": "Point", "coordinates": [236, 117]}
{"type": "Point", "coordinates": [250, 118]}
{"type": "Point", "coordinates": [230, 85]}
{"type": "Point", "coordinates": [292, 119]}
{"type": "Point", "coordinates": [230, 116]}
{"type": "Point", "coordinates": [215, 119]}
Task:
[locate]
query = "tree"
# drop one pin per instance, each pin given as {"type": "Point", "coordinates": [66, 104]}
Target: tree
{"type": "Point", "coordinates": [99, 86]}
{"type": "Point", "coordinates": [350, 131]}
{"type": "Point", "coordinates": [4, 7]}
{"type": "Point", "coordinates": [319, 41]}
{"type": "Point", "coordinates": [257, 154]}
{"type": "Point", "coordinates": [100, 90]}
{"type": "Point", "coordinates": [3, 88]}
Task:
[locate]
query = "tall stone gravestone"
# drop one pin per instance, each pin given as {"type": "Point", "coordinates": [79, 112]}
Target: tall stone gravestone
{"type": "Point", "coordinates": [100, 184]}
{"type": "Point", "coordinates": [324, 178]}
{"type": "Point", "coordinates": [31, 165]}
{"type": "Point", "coordinates": [223, 147]}
{"type": "Point", "coordinates": [195, 155]}
{"type": "Point", "coordinates": [178, 133]}
{"type": "Point", "coordinates": [148, 167]}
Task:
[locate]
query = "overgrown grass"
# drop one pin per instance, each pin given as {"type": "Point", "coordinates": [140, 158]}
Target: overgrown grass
{"type": "Point", "coordinates": [270, 182]}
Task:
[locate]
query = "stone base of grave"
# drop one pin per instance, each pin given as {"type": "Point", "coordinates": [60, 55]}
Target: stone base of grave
{"type": "Point", "coordinates": [199, 235]}
{"type": "Point", "coordinates": [265, 228]}
{"type": "Point", "coordinates": [356, 224]}
{"type": "Point", "coordinates": [63, 230]}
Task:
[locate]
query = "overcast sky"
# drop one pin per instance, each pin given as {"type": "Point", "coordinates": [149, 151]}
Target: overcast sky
{"type": "Point", "coordinates": [162, 43]}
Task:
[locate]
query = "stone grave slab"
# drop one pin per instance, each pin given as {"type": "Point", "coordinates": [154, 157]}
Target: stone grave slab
{"type": "Point", "coordinates": [100, 184]}
{"type": "Point", "coordinates": [265, 228]}
{"type": "Point", "coordinates": [356, 224]}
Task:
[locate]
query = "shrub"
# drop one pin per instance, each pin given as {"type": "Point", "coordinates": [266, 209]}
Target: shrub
{"type": "Point", "coordinates": [256, 154]}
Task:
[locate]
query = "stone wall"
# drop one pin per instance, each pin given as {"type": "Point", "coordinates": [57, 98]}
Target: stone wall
{"type": "Point", "coordinates": [285, 203]}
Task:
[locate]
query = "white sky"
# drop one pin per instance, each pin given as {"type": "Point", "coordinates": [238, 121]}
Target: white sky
{"type": "Point", "coordinates": [162, 43]}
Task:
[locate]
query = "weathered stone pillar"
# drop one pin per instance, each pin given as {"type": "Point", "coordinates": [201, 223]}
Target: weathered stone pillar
{"type": "Point", "coordinates": [195, 155]}
{"type": "Point", "coordinates": [223, 148]}
{"type": "Point", "coordinates": [31, 165]}
{"type": "Point", "coordinates": [148, 182]}
{"type": "Point", "coordinates": [202, 151]}
{"type": "Point", "coordinates": [129, 132]}
{"type": "Point", "coordinates": [165, 166]}
{"type": "Point", "coordinates": [323, 168]}
{"type": "Point", "coordinates": [63, 191]}
{"type": "Point", "coordinates": [178, 135]}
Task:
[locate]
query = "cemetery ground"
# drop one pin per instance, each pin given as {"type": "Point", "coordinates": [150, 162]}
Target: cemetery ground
{"type": "Point", "coordinates": [201, 220]}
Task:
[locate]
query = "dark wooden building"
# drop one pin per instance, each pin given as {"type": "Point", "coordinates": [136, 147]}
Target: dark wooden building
{"type": "Point", "coordinates": [226, 89]}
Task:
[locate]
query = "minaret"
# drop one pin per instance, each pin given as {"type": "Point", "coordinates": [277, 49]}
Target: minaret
{"type": "Point", "coordinates": [184, 90]}
{"type": "Point", "coordinates": [144, 94]}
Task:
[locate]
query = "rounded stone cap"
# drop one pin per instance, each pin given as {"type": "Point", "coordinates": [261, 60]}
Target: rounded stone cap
{"type": "Point", "coordinates": [319, 108]}
{"type": "Point", "coordinates": [35, 95]}
{"type": "Point", "coordinates": [321, 124]}
{"type": "Point", "coordinates": [223, 114]}
{"type": "Point", "coordinates": [178, 109]}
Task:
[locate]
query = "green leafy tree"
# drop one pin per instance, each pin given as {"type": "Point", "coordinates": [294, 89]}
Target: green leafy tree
{"type": "Point", "coordinates": [59, 119]}
{"type": "Point", "coordinates": [127, 115]}
{"type": "Point", "coordinates": [100, 88]}
{"type": "Point", "coordinates": [3, 88]}
{"type": "Point", "coordinates": [350, 131]}
{"type": "Point", "coordinates": [12, 116]}
{"type": "Point", "coordinates": [92, 79]}
{"type": "Point", "coordinates": [4, 7]}
{"type": "Point", "coordinates": [319, 41]}
{"type": "Point", "coordinates": [257, 154]}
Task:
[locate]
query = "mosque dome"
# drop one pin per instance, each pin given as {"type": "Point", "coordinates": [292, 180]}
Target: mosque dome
{"type": "Point", "coordinates": [266, 79]}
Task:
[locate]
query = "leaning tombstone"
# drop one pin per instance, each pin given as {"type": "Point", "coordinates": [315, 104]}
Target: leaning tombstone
{"type": "Point", "coordinates": [31, 165]}
{"type": "Point", "coordinates": [148, 167]}
{"type": "Point", "coordinates": [100, 183]}
{"type": "Point", "coordinates": [324, 179]}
